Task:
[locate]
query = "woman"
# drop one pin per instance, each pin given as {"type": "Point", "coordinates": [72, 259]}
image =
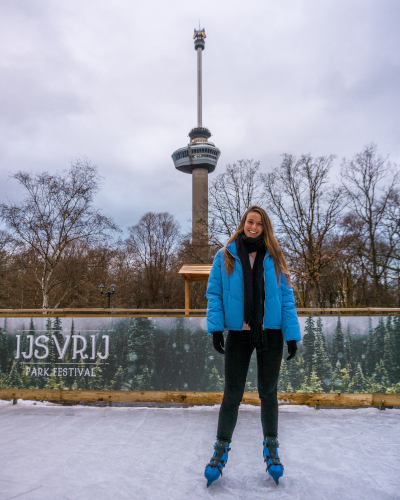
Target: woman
{"type": "Point", "coordinates": [249, 294]}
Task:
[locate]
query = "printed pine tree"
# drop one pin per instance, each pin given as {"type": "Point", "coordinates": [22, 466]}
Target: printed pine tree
{"type": "Point", "coordinates": [144, 381]}
{"type": "Point", "coordinates": [195, 354]}
{"type": "Point", "coordinates": [321, 335]}
{"type": "Point", "coordinates": [311, 384]}
{"type": "Point", "coordinates": [171, 372]}
{"type": "Point", "coordinates": [141, 344]}
{"type": "Point", "coordinates": [25, 342]}
{"type": "Point", "coordinates": [180, 336]}
{"type": "Point", "coordinates": [379, 333]}
{"type": "Point", "coordinates": [53, 355]}
{"type": "Point", "coordinates": [55, 382]}
{"type": "Point", "coordinates": [304, 385]}
{"type": "Point", "coordinates": [82, 382]}
{"type": "Point", "coordinates": [7, 347]}
{"type": "Point", "coordinates": [314, 383]}
{"type": "Point", "coordinates": [70, 378]}
{"type": "Point", "coordinates": [32, 330]}
{"type": "Point", "coordinates": [308, 345]}
{"type": "Point", "coordinates": [396, 347]}
{"type": "Point", "coordinates": [388, 352]}
{"type": "Point", "coordinates": [3, 353]}
{"type": "Point", "coordinates": [340, 379]}
{"type": "Point", "coordinates": [336, 377]}
{"type": "Point", "coordinates": [289, 388]}
{"type": "Point", "coordinates": [338, 344]}
{"type": "Point", "coordinates": [119, 348]}
{"type": "Point", "coordinates": [371, 356]}
{"type": "Point", "coordinates": [395, 389]}
{"type": "Point", "coordinates": [251, 373]}
{"type": "Point", "coordinates": [211, 359]}
{"type": "Point", "coordinates": [345, 382]}
{"type": "Point", "coordinates": [57, 332]}
{"type": "Point", "coordinates": [31, 381]}
{"type": "Point", "coordinates": [70, 352]}
{"type": "Point", "coordinates": [321, 363]}
{"type": "Point", "coordinates": [295, 372]}
{"type": "Point", "coordinates": [24, 378]}
{"type": "Point", "coordinates": [97, 382]}
{"type": "Point", "coordinates": [109, 367]}
{"type": "Point", "coordinates": [348, 350]}
{"type": "Point", "coordinates": [13, 379]}
{"type": "Point", "coordinates": [283, 377]}
{"type": "Point", "coordinates": [250, 387]}
{"type": "Point", "coordinates": [215, 382]}
{"type": "Point", "coordinates": [118, 379]}
{"type": "Point", "coordinates": [24, 346]}
{"type": "Point", "coordinates": [379, 381]}
{"type": "Point", "coordinates": [358, 383]}
{"type": "Point", "coordinates": [376, 341]}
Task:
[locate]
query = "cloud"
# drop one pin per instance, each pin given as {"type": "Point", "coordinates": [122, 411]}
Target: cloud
{"type": "Point", "coordinates": [116, 82]}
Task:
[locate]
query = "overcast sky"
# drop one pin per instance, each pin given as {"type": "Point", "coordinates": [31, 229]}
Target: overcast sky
{"type": "Point", "coordinates": [115, 81]}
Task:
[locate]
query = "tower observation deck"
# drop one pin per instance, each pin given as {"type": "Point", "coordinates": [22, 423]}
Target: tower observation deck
{"type": "Point", "coordinates": [200, 156]}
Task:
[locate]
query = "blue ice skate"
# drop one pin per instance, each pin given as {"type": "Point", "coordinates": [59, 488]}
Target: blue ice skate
{"type": "Point", "coordinates": [217, 461]}
{"type": "Point", "coordinates": [274, 466]}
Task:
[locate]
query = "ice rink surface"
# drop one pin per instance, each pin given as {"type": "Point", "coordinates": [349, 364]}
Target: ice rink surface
{"type": "Point", "coordinates": [51, 452]}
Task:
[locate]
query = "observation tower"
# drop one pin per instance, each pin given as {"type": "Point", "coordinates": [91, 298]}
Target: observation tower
{"type": "Point", "coordinates": [200, 156]}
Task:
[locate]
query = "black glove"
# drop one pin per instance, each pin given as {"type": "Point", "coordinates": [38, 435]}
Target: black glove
{"type": "Point", "coordinates": [218, 341]}
{"type": "Point", "coordinates": [292, 349]}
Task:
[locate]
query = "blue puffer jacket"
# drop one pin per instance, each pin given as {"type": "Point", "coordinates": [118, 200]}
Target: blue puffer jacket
{"type": "Point", "coordinates": [226, 302]}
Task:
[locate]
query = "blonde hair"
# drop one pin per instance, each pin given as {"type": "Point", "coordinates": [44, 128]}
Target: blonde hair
{"type": "Point", "coordinates": [269, 239]}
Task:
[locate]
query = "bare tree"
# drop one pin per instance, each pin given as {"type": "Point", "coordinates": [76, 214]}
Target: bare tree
{"type": "Point", "coordinates": [308, 210]}
{"type": "Point", "coordinates": [371, 184]}
{"type": "Point", "coordinates": [56, 214]}
{"type": "Point", "coordinates": [229, 196]}
{"type": "Point", "coordinates": [153, 247]}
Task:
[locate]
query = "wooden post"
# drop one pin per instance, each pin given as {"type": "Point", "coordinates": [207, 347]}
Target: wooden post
{"type": "Point", "coordinates": [187, 296]}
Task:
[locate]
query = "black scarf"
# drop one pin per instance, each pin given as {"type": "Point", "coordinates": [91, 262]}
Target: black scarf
{"type": "Point", "coordinates": [254, 288]}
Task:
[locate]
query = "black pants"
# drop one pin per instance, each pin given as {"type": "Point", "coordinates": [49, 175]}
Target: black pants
{"type": "Point", "coordinates": [238, 351]}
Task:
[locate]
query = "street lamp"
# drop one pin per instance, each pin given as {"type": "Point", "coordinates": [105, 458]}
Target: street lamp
{"type": "Point", "coordinates": [109, 292]}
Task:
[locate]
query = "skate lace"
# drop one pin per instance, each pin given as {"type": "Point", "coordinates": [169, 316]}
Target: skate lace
{"type": "Point", "coordinates": [275, 460]}
{"type": "Point", "coordinates": [217, 459]}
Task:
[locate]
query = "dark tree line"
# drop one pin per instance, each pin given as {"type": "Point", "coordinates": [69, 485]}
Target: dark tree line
{"type": "Point", "coordinates": [341, 237]}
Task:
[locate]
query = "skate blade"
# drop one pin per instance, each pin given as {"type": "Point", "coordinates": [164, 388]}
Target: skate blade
{"type": "Point", "coordinates": [275, 474]}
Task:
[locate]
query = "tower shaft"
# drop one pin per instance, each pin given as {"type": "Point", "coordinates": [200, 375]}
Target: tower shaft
{"type": "Point", "coordinates": [199, 205]}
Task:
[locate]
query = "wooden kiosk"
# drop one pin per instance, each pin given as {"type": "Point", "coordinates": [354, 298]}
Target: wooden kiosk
{"type": "Point", "coordinates": [193, 272]}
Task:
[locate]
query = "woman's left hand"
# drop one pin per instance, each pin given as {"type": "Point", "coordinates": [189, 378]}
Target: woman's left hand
{"type": "Point", "coordinates": [292, 349]}
{"type": "Point", "coordinates": [218, 341]}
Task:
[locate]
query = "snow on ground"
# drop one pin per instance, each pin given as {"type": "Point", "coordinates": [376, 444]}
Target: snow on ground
{"type": "Point", "coordinates": [51, 452]}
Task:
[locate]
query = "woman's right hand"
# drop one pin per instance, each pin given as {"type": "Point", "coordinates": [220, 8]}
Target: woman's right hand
{"type": "Point", "coordinates": [218, 342]}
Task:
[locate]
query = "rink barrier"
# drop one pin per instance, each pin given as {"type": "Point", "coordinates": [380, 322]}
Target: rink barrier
{"type": "Point", "coordinates": [150, 313]}
{"type": "Point", "coordinates": [202, 398]}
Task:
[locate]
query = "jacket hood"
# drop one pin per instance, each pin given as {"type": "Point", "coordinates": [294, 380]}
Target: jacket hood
{"type": "Point", "coordinates": [232, 249]}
